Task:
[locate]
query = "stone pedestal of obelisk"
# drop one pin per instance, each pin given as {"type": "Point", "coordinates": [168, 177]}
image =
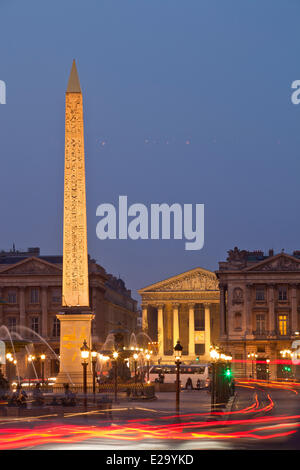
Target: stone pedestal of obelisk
{"type": "Point", "coordinates": [76, 316]}
{"type": "Point", "coordinates": [74, 329]}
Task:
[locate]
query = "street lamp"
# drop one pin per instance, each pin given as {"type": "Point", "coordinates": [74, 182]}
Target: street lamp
{"type": "Point", "coordinates": [214, 355]}
{"type": "Point", "coordinates": [15, 364]}
{"type": "Point", "coordinates": [252, 356]}
{"type": "Point", "coordinates": [85, 353]}
{"type": "Point", "coordinates": [94, 355]}
{"type": "Point", "coordinates": [148, 356]}
{"type": "Point", "coordinates": [178, 351]}
{"type": "Point", "coordinates": [31, 358]}
{"type": "Point", "coordinates": [8, 368]}
{"type": "Point", "coordinates": [135, 357]}
{"type": "Point", "coordinates": [43, 357]}
{"type": "Point", "coordinates": [286, 353]}
{"type": "Point", "coordinates": [115, 356]}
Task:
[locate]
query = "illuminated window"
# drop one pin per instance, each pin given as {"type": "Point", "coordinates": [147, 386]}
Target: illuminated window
{"type": "Point", "coordinates": [282, 324]}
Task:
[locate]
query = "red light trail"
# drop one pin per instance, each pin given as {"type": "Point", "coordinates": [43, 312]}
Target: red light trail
{"type": "Point", "coordinates": [62, 434]}
{"type": "Point", "coordinates": [187, 429]}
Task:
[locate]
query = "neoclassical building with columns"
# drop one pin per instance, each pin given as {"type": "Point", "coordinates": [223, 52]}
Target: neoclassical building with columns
{"type": "Point", "coordinates": [184, 307]}
{"type": "Point", "coordinates": [259, 309]}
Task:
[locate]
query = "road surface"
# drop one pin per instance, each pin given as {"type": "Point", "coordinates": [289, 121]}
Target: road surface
{"type": "Point", "coordinates": [263, 415]}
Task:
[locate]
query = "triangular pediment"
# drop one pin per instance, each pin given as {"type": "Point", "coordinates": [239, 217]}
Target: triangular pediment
{"type": "Point", "coordinates": [32, 266]}
{"type": "Point", "coordinates": [197, 279]}
{"type": "Point", "coordinates": [280, 262]}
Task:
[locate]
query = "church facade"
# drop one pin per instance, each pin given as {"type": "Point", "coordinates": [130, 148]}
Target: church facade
{"type": "Point", "coordinates": [184, 307]}
{"type": "Point", "coordinates": [259, 310]}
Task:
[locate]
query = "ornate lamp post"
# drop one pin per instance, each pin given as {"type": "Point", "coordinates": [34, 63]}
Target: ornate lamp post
{"type": "Point", "coordinates": [252, 356]}
{"type": "Point", "coordinates": [115, 356]}
{"type": "Point", "coordinates": [8, 356]}
{"type": "Point", "coordinates": [94, 355]}
{"type": "Point", "coordinates": [85, 354]}
{"type": "Point", "coordinates": [135, 357]}
{"type": "Point", "coordinates": [148, 356]}
{"type": "Point", "coordinates": [15, 368]}
{"type": "Point", "coordinates": [10, 359]}
{"type": "Point", "coordinates": [215, 356]}
{"type": "Point", "coordinates": [178, 351]}
{"type": "Point", "coordinates": [43, 357]}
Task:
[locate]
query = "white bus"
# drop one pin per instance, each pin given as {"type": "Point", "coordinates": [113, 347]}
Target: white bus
{"type": "Point", "coordinates": [191, 376]}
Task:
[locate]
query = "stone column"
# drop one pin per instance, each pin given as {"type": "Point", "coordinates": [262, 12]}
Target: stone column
{"type": "Point", "coordinates": [271, 323]}
{"type": "Point", "coordinates": [175, 324]}
{"type": "Point", "coordinates": [145, 317]}
{"type": "Point", "coordinates": [207, 327]}
{"type": "Point", "coordinates": [294, 320]}
{"type": "Point", "coordinates": [249, 326]}
{"type": "Point", "coordinates": [191, 329]}
{"type": "Point", "coordinates": [160, 330]}
{"type": "Point", "coordinates": [222, 309]}
{"type": "Point", "coordinates": [22, 306]}
{"type": "Point", "coordinates": [44, 311]}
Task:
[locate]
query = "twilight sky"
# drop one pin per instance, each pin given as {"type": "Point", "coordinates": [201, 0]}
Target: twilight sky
{"type": "Point", "coordinates": [155, 75]}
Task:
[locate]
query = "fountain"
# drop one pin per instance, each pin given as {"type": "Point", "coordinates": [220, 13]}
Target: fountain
{"type": "Point", "coordinates": [125, 358]}
{"type": "Point", "coordinates": [13, 344]}
{"type": "Point", "coordinates": [122, 363]}
{"type": "Point", "coordinates": [32, 332]}
{"type": "Point", "coordinates": [19, 349]}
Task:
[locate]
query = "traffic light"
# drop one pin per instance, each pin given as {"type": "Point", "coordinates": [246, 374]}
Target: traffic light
{"type": "Point", "coordinates": [197, 359]}
{"type": "Point", "coordinates": [228, 373]}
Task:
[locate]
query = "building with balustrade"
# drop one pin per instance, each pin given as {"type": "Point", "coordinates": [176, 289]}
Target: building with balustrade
{"type": "Point", "coordinates": [31, 289]}
{"type": "Point", "coordinates": [184, 307]}
{"type": "Point", "coordinates": [259, 309]}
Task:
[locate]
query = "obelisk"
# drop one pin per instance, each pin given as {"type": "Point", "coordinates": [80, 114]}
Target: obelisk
{"type": "Point", "coordinates": [75, 321]}
{"type": "Point", "coordinates": [75, 290]}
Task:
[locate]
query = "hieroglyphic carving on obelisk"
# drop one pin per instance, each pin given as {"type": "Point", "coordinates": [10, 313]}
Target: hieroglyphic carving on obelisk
{"type": "Point", "coordinates": [75, 258]}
